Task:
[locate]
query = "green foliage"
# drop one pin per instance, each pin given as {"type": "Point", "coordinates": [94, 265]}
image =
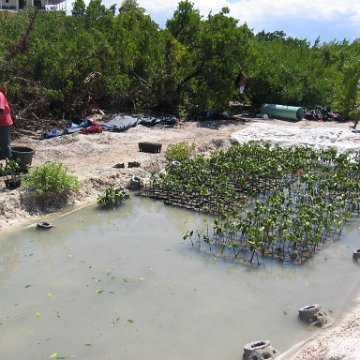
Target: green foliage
{"type": "Point", "coordinates": [11, 171]}
{"type": "Point", "coordinates": [54, 96]}
{"type": "Point", "coordinates": [111, 197]}
{"type": "Point", "coordinates": [49, 60]}
{"type": "Point", "coordinates": [284, 203]}
{"type": "Point", "coordinates": [50, 178]}
{"type": "Point", "coordinates": [185, 24]}
{"type": "Point", "coordinates": [78, 9]}
{"type": "Point", "coordinates": [285, 74]}
{"type": "Point", "coordinates": [181, 151]}
{"type": "Point", "coordinates": [10, 168]}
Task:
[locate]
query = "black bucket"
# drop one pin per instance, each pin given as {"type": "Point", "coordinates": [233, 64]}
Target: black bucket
{"type": "Point", "coordinates": [23, 156]}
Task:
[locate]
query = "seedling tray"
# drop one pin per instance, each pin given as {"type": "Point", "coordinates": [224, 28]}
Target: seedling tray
{"type": "Point", "coordinates": [149, 147]}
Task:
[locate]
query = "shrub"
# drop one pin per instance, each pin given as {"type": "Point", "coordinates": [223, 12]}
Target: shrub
{"type": "Point", "coordinates": [50, 178]}
{"type": "Point", "coordinates": [181, 151]}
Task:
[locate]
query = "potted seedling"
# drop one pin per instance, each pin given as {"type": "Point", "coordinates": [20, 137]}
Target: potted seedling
{"type": "Point", "coordinates": [11, 170]}
{"type": "Point", "coordinates": [111, 197]}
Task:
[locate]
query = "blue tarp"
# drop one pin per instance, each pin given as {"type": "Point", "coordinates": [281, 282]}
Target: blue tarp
{"type": "Point", "coordinates": [124, 122]}
{"type": "Point", "coordinates": [77, 127]}
{"type": "Point", "coordinates": [119, 123]}
{"type": "Point", "coordinates": [52, 133]}
{"type": "Point", "coordinates": [71, 129]}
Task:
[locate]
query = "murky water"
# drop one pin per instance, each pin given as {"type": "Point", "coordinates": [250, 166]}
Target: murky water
{"type": "Point", "coordinates": [123, 285]}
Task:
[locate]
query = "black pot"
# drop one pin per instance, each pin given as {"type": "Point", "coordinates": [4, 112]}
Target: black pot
{"type": "Point", "coordinates": [356, 254]}
{"type": "Point", "coordinates": [12, 184]}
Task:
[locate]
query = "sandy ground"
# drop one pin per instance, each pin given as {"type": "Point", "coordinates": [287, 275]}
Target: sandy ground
{"type": "Point", "coordinates": [92, 157]}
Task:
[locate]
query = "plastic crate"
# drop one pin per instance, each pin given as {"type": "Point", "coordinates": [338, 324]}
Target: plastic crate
{"type": "Point", "coordinates": [149, 147]}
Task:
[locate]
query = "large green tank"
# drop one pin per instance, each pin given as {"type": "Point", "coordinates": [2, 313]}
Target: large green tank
{"type": "Point", "coordinates": [283, 111]}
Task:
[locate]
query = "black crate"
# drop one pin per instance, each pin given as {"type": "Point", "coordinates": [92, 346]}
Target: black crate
{"type": "Point", "coordinates": [149, 147]}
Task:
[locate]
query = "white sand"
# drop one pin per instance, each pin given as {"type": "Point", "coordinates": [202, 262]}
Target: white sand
{"type": "Point", "coordinates": [91, 158]}
{"type": "Point", "coordinates": [320, 136]}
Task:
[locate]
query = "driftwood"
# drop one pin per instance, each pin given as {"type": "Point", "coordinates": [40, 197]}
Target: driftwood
{"type": "Point", "coordinates": [27, 133]}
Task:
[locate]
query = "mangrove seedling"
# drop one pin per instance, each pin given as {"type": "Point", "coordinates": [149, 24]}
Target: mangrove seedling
{"type": "Point", "coordinates": [111, 197]}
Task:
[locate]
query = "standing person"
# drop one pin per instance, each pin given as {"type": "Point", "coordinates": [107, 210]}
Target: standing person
{"type": "Point", "coordinates": [358, 113]}
{"type": "Point", "coordinates": [241, 82]}
{"type": "Point", "coordinates": [5, 124]}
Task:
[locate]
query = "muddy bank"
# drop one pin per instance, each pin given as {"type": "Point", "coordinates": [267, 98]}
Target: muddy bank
{"type": "Point", "coordinates": [92, 157]}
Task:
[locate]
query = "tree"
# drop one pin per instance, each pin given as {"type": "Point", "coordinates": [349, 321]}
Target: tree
{"type": "Point", "coordinates": [79, 9]}
{"type": "Point", "coordinates": [185, 24]}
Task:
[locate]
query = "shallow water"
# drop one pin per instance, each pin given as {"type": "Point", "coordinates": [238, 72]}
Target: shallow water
{"type": "Point", "coordinates": [123, 284]}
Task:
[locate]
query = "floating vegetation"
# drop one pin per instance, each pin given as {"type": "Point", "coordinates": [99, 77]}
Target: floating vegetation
{"type": "Point", "coordinates": [267, 200]}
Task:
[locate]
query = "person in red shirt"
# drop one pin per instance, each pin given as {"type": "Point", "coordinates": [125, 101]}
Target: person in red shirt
{"type": "Point", "coordinates": [5, 124]}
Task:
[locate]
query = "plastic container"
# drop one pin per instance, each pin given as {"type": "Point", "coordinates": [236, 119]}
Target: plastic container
{"type": "Point", "coordinates": [23, 156]}
{"type": "Point", "coordinates": [149, 147]}
{"type": "Point", "coordinates": [283, 111]}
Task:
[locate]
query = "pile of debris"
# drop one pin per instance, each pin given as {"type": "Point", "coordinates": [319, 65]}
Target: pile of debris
{"type": "Point", "coordinates": [323, 113]}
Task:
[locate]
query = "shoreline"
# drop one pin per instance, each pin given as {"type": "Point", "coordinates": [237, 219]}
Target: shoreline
{"type": "Point", "coordinates": [92, 157]}
{"type": "Point", "coordinates": [340, 341]}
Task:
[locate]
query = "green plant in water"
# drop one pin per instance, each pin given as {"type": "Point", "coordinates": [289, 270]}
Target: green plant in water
{"type": "Point", "coordinates": [111, 197]}
{"type": "Point", "coordinates": [287, 202]}
{"type": "Point", "coordinates": [50, 178]}
{"type": "Point", "coordinates": [188, 235]}
{"type": "Point", "coordinates": [181, 151]}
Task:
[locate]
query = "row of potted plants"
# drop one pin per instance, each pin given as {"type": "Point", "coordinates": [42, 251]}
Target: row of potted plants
{"type": "Point", "coordinates": [283, 203]}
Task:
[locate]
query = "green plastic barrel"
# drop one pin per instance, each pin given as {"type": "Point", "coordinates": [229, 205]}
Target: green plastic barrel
{"type": "Point", "coordinates": [23, 156]}
{"type": "Point", "coordinates": [283, 111]}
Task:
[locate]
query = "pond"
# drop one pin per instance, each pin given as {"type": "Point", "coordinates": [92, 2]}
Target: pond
{"type": "Point", "coordinates": [123, 284]}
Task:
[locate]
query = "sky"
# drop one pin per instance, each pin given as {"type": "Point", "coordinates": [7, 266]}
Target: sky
{"type": "Point", "coordinates": [303, 19]}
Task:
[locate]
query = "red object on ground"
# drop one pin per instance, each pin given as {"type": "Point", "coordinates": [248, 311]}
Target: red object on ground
{"type": "Point", "coordinates": [94, 128]}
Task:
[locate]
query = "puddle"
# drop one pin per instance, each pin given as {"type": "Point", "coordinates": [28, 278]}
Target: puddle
{"type": "Point", "coordinates": [123, 284]}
